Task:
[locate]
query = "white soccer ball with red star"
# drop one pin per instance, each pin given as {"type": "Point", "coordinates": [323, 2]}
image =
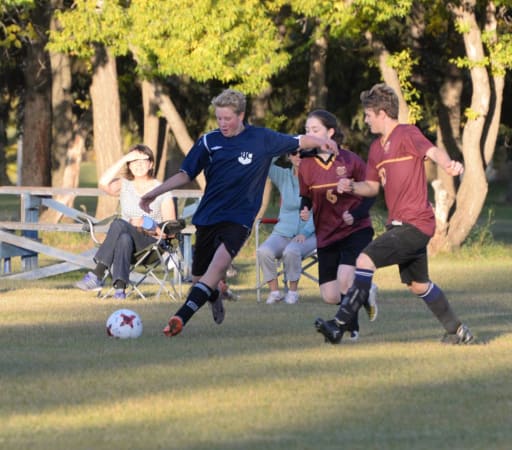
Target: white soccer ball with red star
{"type": "Point", "coordinates": [124, 324]}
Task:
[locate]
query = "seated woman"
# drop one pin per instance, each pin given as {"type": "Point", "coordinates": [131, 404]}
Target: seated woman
{"type": "Point", "coordinates": [291, 239]}
{"type": "Point", "coordinates": [136, 229]}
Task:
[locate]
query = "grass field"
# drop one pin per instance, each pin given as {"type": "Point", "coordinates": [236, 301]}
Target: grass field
{"type": "Point", "coordinates": [262, 380]}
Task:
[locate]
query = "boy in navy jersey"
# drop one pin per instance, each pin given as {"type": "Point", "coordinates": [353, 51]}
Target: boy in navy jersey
{"type": "Point", "coordinates": [396, 161]}
{"type": "Point", "coordinates": [236, 159]}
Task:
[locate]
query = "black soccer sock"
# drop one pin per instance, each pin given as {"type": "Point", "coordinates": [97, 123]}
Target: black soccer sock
{"type": "Point", "coordinates": [198, 296]}
{"type": "Point", "coordinates": [214, 296]}
{"type": "Point", "coordinates": [100, 270]}
{"type": "Point", "coordinates": [363, 279]}
{"type": "Point", "coordinates": [356, 297]}
{"type": "Point", "coordinates": [436, 301]}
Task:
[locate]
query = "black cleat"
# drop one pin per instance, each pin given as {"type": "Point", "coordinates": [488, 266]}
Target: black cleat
{"type": "Point", "coordinates": [330, 329]}
{"type": "Point", "coordinates": [462, 336]}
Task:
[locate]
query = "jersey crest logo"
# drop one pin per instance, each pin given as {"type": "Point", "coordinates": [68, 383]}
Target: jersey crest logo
{"type": "Point", "coordinates": [341, 171]}
{"type": "Point", "coordinates": [245, 158]}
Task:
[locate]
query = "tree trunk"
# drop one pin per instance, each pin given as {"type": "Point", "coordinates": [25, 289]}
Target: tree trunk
{"type": "Point", "coordinates": [317, 88]}
{"type": "Point", "coordinates": [62, 101]}
{"type": "Point", "coordinates": [473, 189]}
{"type": "Point", "coordinates": [448, 138]}
{"type": "Point", "coordinates": [260, 107]}
{"type": "Point", "coordinates": [176, 125]}
{"type": "Point", "coordinates": [37, 111]}
{"type": "Point", "coordinates": [4, 117]}
{"type": "Point", "coordinates": [106, 121]}
{"type": "Point", "coordinates": [155, 128]}
{"type": "Point", "coordinates": [389, 75]}
{"type": "Point", "coordinates": [498, 79]}
{"type": "Point", "coordinates": [150, 110]}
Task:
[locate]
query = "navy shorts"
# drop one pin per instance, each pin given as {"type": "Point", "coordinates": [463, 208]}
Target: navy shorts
{"type": "Point", "coordinates": [210, 237]}
{"type": "Point", "coordinates": [344, 251]}
{"type": "Point", "coordinates": [404, 245]}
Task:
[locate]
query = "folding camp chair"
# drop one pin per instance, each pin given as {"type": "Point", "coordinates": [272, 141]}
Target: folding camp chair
{"type": "Point", "coordinates": [154, 263]}
{"type": "Point", "coordinates": [308, 261]}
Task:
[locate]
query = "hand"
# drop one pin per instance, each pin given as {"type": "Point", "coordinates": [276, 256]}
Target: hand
{"type": "Point", "coordinates": [304, 214]}
{"type": "Point", "coordinates": [134, 156]}
{"type": "Point", "coordinates": [300, 238]}
{"type": "Point", "coordinates": [331, 145]}
{"type": "Point", "coordinates": [454, 168]}
{"type": "Point", "coordinates": [345, 185]}
{"type": "Point", "coordinates": [136, 221]}
{"type": "Point", "coordinates": [145, 201]}
{"type": "Point", "coordinates": [348, 218]}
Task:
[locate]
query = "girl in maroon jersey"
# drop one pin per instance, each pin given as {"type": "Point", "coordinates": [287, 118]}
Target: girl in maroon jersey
{"type": "Point", "coordinates": [342, 222]}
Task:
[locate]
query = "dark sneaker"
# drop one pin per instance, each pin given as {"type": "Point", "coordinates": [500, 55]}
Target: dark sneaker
{"type": "Point", "coordinates": [90, 282]}
{"type": "Point", "coordinates": [329, 328]}
{"type": "Point", "coordinates": [218, 311]}
{"type": "Point", "coordinates": [174, 327]}
{"type": "Point", "coordinates": [462, 336]}
{"type": "Point", "coordinates": [370, 306]}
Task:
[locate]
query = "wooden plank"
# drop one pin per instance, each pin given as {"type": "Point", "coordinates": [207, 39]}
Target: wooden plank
{"type": "Point", "coordinates": [31, 244]}
{"type": "Point", "coordinates": [73, 213]}
{"type": "Point", "coordinates": [49, 271]}
{"type": "Point", "coordinates": [50, 191]}
{"type": "Point", "coordinates": [36, 226]}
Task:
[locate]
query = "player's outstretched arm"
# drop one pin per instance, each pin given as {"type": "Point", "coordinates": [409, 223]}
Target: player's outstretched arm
{"type": "Point", "coordinates": [174, 182]}
{"type": "Point", "coordinates": [362, 188]}
{"type": "Point", "coordinates": [442, 159]}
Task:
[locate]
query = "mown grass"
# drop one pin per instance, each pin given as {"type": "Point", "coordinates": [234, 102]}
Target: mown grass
{"type": "Point", "coordinates": [263, 379]}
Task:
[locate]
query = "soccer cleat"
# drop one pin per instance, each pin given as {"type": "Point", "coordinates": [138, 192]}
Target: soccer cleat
{"type": "Point", "coordinates": [331, 331]}
{"type": "Point", "coordinates": [462, 336]}
{"type": "Point", "coordinates": [274, 297]}
{"type": "Point", "coordinates": [120, 294]}
{"type": "Point", "coordinates": [354, 335]}
{"type": "Point", "coordinates": [370, 306]}
{"type": "Point", "coordinates": [90, 282]}
{"type": "Point", "coordinates": [291, 297]}
{"type": "Point", "coordinates": [174, 326]}
{"type": "Point", "coordinates": [218, 311]}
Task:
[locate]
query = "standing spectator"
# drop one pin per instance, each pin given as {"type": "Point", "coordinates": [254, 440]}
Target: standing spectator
{"type": "Point", "coordinates": [291, 239]}
{"type": "Point", "coordinates": [126, 235]}
{"type": "Point", "coordinates": [235, 158]}
{"type": "Point", "coordinates": [396, 162]}
{"type": "Point", "coordinates": [342, 222]}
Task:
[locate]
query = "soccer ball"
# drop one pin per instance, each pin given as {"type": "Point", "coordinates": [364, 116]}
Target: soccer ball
{"type": "Point", "coordinates": [124, 324]}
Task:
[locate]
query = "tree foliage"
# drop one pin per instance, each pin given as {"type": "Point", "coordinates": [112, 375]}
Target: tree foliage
{"type": "Point", "coordinates": [234, 42]}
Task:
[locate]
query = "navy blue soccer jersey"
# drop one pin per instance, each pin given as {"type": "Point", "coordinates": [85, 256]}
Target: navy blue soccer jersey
{"type": "Point", "coordinates": [235, 169]}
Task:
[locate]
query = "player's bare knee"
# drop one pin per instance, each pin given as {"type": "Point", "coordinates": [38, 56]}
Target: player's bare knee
{"type": "Point", "coordinates": [364, 262]}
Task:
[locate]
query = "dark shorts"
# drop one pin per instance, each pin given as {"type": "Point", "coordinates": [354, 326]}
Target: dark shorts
{"type": "Point", "coordinates": [341, 252]}
{"type": "Point", "coordinates": [210, 237]}
{"type": "Point", "coordinates": [404, 245]}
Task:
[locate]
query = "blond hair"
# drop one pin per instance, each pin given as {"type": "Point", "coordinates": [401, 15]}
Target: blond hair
{"type": "Point", "coordinates": [230, 98]}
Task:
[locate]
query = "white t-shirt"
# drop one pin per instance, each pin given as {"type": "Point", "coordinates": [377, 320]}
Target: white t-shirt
{"type": "Point", "coordinates": [129, 200]}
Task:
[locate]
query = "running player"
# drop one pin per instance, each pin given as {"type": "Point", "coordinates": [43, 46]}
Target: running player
{"type": "Point", "coordinates": [396, 162]}
{"type": "Point", "coordinates": [235, 158]}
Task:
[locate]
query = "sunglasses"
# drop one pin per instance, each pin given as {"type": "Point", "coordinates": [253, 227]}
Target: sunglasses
{"type": "Point", "coordinates": [294, 153]}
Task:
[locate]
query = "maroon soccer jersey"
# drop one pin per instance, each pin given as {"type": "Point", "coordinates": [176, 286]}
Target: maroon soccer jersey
{"type": "Point", "coordinates": [318, 180]}
{"type": "Point", "coordinates": [398, 164]}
